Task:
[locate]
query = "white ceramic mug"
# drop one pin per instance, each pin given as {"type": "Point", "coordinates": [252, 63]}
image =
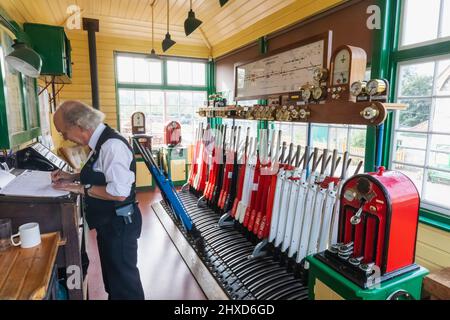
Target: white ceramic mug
{"type": "Point", "coordinates": [29, 234]}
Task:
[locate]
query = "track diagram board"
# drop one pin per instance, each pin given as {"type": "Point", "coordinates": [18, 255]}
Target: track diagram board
{"type": "Point", "coordinates": [283, 72]}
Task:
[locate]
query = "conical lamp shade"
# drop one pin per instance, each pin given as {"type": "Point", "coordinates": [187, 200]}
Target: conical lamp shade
{"type": "Point", "coordinates": [191, 23]}
{"type": "Point", "coordinates": [223, 2]}
{"type": "Point", "coordinates": [25, 60]}
{"type": "Point", "coordinates": [167, 42]}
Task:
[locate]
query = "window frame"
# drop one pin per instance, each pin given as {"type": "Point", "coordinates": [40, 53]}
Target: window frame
{"type": "Point", "coordinates": [164, 86]}
{"type": "Point", "coordinates": [437, 40]}
{"type": "Point", "coordinates": [429, 50]}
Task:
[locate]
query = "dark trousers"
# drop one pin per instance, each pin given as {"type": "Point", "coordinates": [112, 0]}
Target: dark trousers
{"type": "Point", "coordinates": [117, 246]}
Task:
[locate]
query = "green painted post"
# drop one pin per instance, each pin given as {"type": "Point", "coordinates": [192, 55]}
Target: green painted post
{"type": "Point", "coordinates": [382, 43]}
{"type": "Point", "coordinates": [263, 48]}
{"type": "Point", "coordinates": [389, 123]}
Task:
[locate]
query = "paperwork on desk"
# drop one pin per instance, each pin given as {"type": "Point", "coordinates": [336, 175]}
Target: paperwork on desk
{"type": "Point", "coordinates": [29, 184]}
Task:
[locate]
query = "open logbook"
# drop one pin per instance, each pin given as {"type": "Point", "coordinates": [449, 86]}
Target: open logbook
{"type": "Point", "coordinates": [29, 184]}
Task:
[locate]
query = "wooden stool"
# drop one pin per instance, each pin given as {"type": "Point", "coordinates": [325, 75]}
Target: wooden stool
{"type": "Point", "coordinates": [25, 273]}
{"type": "Point", "coordinates": [438, 284]}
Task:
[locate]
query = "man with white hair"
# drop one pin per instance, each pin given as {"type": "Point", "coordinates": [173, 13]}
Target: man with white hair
{"type": "Point", "coordinates": [108, 183]}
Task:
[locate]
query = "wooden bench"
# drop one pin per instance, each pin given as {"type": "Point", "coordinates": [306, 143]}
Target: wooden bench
{"type": "Point", "coordinates": [437, 284]}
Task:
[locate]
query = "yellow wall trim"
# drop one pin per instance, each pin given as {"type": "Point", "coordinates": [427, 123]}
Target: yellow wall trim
{"type": "Point", "coordinates": [432, 248]}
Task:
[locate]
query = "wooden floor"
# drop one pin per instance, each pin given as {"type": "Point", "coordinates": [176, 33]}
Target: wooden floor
{"type": "Point", "coordinates": [164, 274]}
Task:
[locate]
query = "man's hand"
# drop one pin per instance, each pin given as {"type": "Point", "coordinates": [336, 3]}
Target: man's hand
{"type": "Point", "coordinates": [69, 186]}
{"type": "Point", "coordinates": [61, 176]}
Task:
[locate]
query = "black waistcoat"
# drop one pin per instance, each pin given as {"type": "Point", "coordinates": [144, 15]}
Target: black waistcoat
{"type": "Point", "coordinates": [98, 211]}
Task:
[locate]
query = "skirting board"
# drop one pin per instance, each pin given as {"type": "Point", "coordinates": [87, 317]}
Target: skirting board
{"type": "Point", "coordinates": [202, 275]}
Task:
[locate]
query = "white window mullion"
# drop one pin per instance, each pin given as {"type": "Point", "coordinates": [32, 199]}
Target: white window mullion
{"type": "Point", "coordinates": [441, 19]}
{"type": "Point", "coordinates": [164, 107]}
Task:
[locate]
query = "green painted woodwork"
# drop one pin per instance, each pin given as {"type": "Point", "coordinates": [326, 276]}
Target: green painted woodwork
{"type": "Point", "coordinates": [54, 48]}
{"type": "Point", "coordinates": [11, 140]}
{"type": "Point", "coordinates": [410, 282]}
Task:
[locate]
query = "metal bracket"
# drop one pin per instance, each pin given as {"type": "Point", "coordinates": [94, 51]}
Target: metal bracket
{"type": "Point", "coordinates": [259, 250]}
{"type": "Point", "coordinates": [201, 202]}
{"type": "Point", "coordinates": [222, 221]}
{"type": "Point", "coordinates": [183, 188]}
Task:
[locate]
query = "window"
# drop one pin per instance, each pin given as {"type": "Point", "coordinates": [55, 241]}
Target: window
{"type": "Point", "coordinates": [421, 141]}
{"type": "Point", "coordinates": [436, 13]}
{"type": "Point", "coordinates": [164, 90]}
{"type": "Point", "coordinates": [342, 138]}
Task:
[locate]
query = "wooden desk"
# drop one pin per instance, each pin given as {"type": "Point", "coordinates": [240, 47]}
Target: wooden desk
{"type": "Point", "coordinates": [61, 215]}
{"type": "Point", "coordinates": [25, 273]}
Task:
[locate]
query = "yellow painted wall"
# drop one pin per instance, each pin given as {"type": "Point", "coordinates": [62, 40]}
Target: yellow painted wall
{"type": "Point", "coordinates": [432, 248]}
{"type": "Point", "coordinates": [80, 88]}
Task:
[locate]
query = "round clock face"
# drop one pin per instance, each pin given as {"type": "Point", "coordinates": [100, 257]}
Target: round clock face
{"type": "Point", "coordinates": [138, 120]}
{"type": "Point", "coordinates": [341, 68]}
{"type": "Point", "coordinates": [317, 93]}
{"type": "Point", "coordinates": [375, 86]}
{"type": "Point", "coordinates": [357, 88]}
{"type": "Point", "coordinates": [306, 94]}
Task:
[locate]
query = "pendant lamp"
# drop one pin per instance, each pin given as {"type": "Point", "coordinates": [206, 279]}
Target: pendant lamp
{"type": "Point", "coordinates": [223, 2]}
{"type": "Point", "coordinates": [167, 42]}
{"type": "Point", "coordinates": [153, 54]}
{"type": "Point", "coordinates": [24, 59]}
{"type": "Point", "coordinates": [191, 23]}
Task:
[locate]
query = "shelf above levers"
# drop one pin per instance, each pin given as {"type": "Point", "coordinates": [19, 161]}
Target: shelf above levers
{"type": "Point", "coordinates": [371, 113]}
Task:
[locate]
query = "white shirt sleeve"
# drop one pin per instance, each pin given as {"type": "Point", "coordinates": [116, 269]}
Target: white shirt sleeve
{"type": "Point", "coordinates": [114, 162]}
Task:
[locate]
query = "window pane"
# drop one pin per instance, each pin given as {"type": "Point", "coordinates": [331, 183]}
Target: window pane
{"type": "Point", "coordinates": [142, 98]}
{"type": "Point", "coordinates": [157, 111]}
{"type": "Point", "coordinates": [446, 19]}
{"type": "Point", "coordinates": [416, 80]}
{"type": "Point", "coordinates": [411, 140]}
{"type": "Point", "coordinates": [416, 117]}
{"type": "Point", "coordinates": [416, 11]}
{"type": "Point", "coordinates": [155, 72]}
{"type": "Point", "coordinates": [352, 167]}
{"type": "Point", "coordinates": [172, 98]}
{"type": "Point", "coordinates": [319, 136]}
{"type": "Point", "coordinates": [141, 71]}
{"type": "Point", "coordinates": [415, 174]}
{"type": "Point", "coordinates": [441, 121]}
{"type": "Point", "coordinates": [443, 78]}
{"type": "Point", "coordinates": [410, 148]}
{"type": "Point", "coordinates": [125, 69]}
{"type": "Point", "coordinates": [357, 142]}
{"type": "Point", "coordinates": [172, 113]}
{"type": "Point", "coordinates": [300, 134]}
{"type": "Point", "coordinates": [126, 97]}
{"type": "Point", "coordinates": [157, 98]}
{"type": "Point", "coordinates": [172, 72]}
{"type": "Point", "coordinates": [437, 187]}
{"type": "Point", "coordinates": [198, 74]}
{"type": "Point", "coordinates": [185, 98]}
{"type": "Point", "coordinates": [198, 99]}
{"type": "Point", "coordinates": [440, 151]}
{"type": "Point", "coordinates": [185, 73]}
{"type": "Point", "coordinates": [30, 84]}
{"type": "Point", "coordinates": [285, 131]}
{"type": "Point", "coordinates": [338, 139]}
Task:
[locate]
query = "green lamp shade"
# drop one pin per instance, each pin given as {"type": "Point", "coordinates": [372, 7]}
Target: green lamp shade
{"type": "Point", "coordinates": [167, 42]}
{"type": "Point", "coordinates": [223, 2]}
{"type": "Point", "coordinates": [191, 23]}
{"type": "Point", "coordinates": [25, 60]}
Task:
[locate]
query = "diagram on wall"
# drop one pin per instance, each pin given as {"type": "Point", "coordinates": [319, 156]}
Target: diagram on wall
{"type": "Point", "coordinates": [284, 71]}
